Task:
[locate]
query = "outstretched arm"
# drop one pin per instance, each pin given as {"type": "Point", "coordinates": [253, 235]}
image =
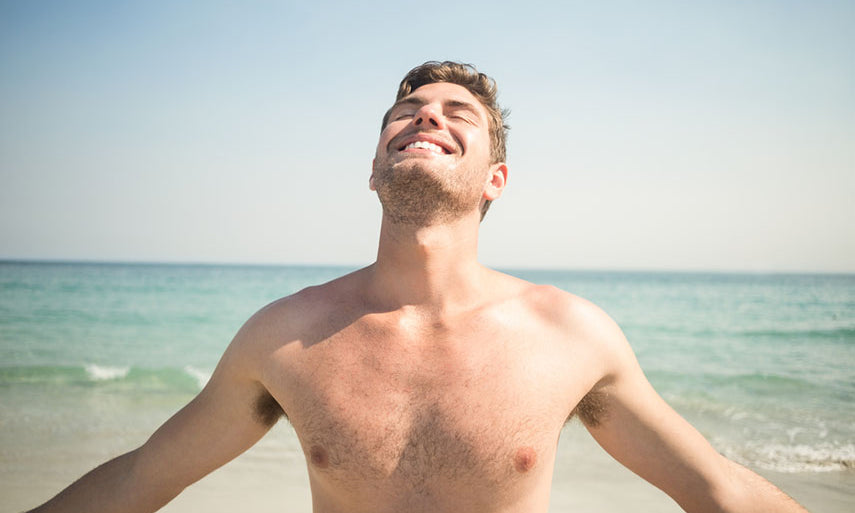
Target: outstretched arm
{"type": "Point", "coordinates": [635, 425]}
{"type": "Point", "coordinates": [216, 426]}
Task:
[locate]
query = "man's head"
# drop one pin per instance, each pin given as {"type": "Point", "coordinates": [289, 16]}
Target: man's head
{"type": "Point", "coordinates": [480, 85]}
{"type": "Point", "coordinates": [458, 105]}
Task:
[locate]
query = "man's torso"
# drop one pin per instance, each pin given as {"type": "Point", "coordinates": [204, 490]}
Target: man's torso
{"type": "Point", "coordinates": [403, 410]}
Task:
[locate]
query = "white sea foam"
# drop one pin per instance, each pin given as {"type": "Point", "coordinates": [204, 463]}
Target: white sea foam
{"type": "Point", "coordinates": [200, 376]}
{"type": "Point", "coordinates": [821, 457]}
{"type": "Point", "coordinates": [99, 373]}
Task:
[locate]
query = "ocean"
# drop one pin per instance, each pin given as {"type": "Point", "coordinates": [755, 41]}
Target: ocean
{"type": "Point", "coordinates": [93, 357]}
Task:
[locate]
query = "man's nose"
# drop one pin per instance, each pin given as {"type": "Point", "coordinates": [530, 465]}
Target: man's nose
{"type": "Point", "coordinates": [429, 116]}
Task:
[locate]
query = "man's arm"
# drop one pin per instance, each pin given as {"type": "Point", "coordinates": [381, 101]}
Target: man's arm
{"type": "Point", "coordinates": [216, 426]}
{"type": "Point", "coordinates": [635, 425]}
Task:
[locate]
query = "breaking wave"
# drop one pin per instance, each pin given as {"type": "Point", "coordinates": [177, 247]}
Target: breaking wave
{"type": "Point", "coordinates": [820, 457]}
{"type": "Point", "coordinates": [99, 373]}
{"type": "Point", "coordinates": [167, 379]}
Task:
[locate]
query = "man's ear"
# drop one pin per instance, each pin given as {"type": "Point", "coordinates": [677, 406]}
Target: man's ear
{"type": "Point", "coordinates": [496, 181]}
{"type": "Point", "coordinates": [371, 178]}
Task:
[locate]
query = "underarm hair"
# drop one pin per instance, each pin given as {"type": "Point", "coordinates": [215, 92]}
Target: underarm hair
{"type": "Point", "coordinates": [268, 411]}
{"type": "Point", "coordinates": [591, 409]}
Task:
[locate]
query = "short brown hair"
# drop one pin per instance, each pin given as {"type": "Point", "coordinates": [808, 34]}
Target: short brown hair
{"type": "Point", "coordinates": [478, 84]}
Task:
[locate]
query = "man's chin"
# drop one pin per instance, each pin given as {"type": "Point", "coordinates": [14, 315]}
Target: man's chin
{"type": "Point", "coordinates": [420, 218]}
{"type": "Point", "coordinates": [415, 193]}
{"type": "Point", "coordinates": [427, 209]}
{"type": "Point", "coordinates": [415, 165]}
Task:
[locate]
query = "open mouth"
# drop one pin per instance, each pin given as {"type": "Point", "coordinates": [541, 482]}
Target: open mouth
{"type": "Point", "coordinates": [429, 146]}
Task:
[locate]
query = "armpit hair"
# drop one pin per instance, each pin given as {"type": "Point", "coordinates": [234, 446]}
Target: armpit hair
{"type": "Point", "coordinates": [267, 409]}
{"type": "Point", "coordinates": [591, 410]}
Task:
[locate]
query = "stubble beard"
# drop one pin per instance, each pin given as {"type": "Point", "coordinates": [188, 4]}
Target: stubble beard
{"type": "Point", "coordinates": [413, 195]}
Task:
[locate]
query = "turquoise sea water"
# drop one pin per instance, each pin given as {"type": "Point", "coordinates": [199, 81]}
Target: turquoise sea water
{"type": "Point", "coordinates": [761, 364]}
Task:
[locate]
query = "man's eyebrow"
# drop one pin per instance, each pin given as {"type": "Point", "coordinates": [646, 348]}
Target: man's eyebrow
{"type": "Point", "coordinates": [409, 100]}
{"type": "Point", "coordinates": [459, 104]}
{"type": "Point", "coordinates": [415, 100]}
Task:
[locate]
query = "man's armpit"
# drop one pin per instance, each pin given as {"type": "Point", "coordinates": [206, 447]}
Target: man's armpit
{"type": "Point", "coordinates": [267, 409]}
{"type": "Point", "coordinates": [591, 409]}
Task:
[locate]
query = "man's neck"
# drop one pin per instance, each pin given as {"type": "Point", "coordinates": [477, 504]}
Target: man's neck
{"type": "Point", "coordinates": [433, 268]}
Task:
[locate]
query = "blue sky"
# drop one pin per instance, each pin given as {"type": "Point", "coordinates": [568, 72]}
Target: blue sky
{"type": "Point", "coordinates": [645, 135]}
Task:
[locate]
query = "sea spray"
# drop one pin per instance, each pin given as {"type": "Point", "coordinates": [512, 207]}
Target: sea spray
{"type": "Point", "coordinates": [200, 376]}
{"type": "Point", "coordinates": [98, 373]}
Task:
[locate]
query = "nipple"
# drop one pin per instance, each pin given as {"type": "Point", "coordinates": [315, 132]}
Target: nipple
{"type": "Point", "coordinates": [525, 459]}
{"type": "Point", "coordinates": [319, 457]}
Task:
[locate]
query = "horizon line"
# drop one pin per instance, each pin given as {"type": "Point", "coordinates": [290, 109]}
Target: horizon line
{"type": "Point", "coordinates": [580, 269]}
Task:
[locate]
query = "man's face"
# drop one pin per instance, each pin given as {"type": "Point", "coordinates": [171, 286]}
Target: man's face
{"type": "Point", "coordinates": [432, 162]}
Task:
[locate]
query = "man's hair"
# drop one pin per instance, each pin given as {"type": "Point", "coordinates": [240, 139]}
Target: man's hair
{"type": "Point", "coordinates": [478, 84]}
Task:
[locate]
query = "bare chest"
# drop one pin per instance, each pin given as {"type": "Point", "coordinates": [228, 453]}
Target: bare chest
{"type": "Point", "coordinates": [470, 411]}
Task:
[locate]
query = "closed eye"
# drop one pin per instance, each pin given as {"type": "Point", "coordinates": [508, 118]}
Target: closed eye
{"type": "Point", "coordinates": [461, 117]}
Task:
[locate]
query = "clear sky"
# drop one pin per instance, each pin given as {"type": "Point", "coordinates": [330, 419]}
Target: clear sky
{"type": "Point", "coordinates": [705, 135]}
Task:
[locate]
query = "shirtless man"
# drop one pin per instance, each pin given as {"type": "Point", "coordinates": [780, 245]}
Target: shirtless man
{"type": "Point", "coordinates": [427, 382]}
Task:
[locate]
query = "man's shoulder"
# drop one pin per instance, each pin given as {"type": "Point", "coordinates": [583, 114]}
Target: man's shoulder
{"type": "Point", "coordinates": [309, 305]}
{"type": "Point", "coordinates": [553, 303]}
{"type": "Point", "coordinates": [576, 318]}
{"type": "Point", "coordinates": [294, 318]}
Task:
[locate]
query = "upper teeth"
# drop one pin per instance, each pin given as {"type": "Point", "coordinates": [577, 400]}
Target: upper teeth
{"type": "Point", "coordinates": [425, 145]}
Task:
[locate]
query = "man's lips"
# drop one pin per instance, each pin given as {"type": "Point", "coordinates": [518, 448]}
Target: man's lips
{"type": "Point", "coordinates": [424, 145]}
{"type": "Point", "coordinates": [424, 142]}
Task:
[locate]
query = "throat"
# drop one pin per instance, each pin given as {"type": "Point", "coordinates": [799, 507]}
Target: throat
{"type": "Point", "coordinates": [439, 284]}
